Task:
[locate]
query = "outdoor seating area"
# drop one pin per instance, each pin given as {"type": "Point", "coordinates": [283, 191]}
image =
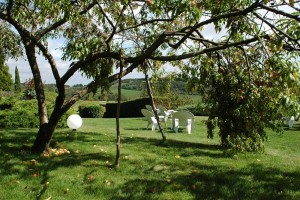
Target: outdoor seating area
{"type": "Point", "coordinates": [176, 119]}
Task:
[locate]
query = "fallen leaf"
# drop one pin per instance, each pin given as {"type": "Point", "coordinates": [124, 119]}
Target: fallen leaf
{"type": "Point", "coordinates": [48, 198]}
{"type": "Point", "coordinates": [168, 180]}
{"type": "Point", "coordinates": [151, 190]}
{"type": "Point", "coordinates": [35, 174]}
{"type": "Point", "coordinates": [89, 178]}
{"type": "Point", "coordinates": [66, 190]}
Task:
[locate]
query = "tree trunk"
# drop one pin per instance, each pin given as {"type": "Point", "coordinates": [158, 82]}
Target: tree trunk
{"type": "Point", "coordinates": [43, 138]}
{"type": "Point", "coordinates": [46, 131]}
{"type": "Point", "coordinates": [153, 106]}
{"type": "Point", "coordinates": [39, 87]}
{"type": "Point", "coordinates": [118, 141]}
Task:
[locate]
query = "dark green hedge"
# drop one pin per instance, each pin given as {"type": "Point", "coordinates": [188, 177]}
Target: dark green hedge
{"type": "Point", "coordinates": [90, 111]}
{"type": "Point", "coordinates": [128, 108]}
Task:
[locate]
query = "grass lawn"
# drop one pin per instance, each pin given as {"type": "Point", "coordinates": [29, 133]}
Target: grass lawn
{"type": "Point", "coordinates": [185, 167]}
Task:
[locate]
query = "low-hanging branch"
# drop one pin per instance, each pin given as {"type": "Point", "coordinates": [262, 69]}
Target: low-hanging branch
{"type": "Point", "coordinates": [210, 49]}
{"type": "Point", "coordinates": [214, 19]}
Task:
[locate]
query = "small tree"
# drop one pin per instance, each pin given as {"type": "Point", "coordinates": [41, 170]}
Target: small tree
{"type": "Point", "coordinates": [17, 81]}
{"type": "Point", "coordinates": [6, 81]}
{"type": "Point", "coordinates": [244, 96]}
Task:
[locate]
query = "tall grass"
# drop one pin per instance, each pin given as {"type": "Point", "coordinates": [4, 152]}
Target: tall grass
{"type": "Point", "coordinates": [185, 167]}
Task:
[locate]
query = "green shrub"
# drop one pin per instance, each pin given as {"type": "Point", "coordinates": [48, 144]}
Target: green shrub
{"type": "Point", "coordinates": [63, 120]}
{"type": "Point", "coordinates": [94, 111]}
{"type": "Point", "coordinates": [128, 108]}
{"type": "Point", "coordinates": [198, 109]}
{"type": "Point", "coordinates": [7, 103]}
{"type": "Point", "coordinates": [23, 114]}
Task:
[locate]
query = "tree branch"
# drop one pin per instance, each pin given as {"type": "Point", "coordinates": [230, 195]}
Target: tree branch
{"type": "Point", "coordinates": [144, 23]}
{"type": "Point", "coordinates": [55, 25]}
{"type": "Point", "coordinates": [279, 12]}
{"type": "Point", "coordinates": [207, 50]}
{"type": "Point", "coordinates": [89, 59]}
{"type": "Point", "coordinates": [213, 19]}
{"type": "Point", "coordinates": [9, 7]}
{"type": "Point", "coordinates": [273, 27]}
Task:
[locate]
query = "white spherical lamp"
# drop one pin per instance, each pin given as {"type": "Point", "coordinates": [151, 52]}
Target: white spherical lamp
{"type": "Point", "coordinates": [74, 121]}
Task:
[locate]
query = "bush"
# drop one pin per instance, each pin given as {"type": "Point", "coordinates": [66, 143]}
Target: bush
{"type": "Point", "coordinates": [128, 108]}
{"type": "Point", "coordinates": [23, 114]}
{"type": "Point", "coordinates": [198, 109]}
{"type": "Point", "coordinates": [91, 111]}
{"type": "Point", "coordinates": [7, 103]}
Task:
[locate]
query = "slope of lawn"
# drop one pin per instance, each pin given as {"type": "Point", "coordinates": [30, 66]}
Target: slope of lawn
{"type": "Point", "coordinates": [185, 167]}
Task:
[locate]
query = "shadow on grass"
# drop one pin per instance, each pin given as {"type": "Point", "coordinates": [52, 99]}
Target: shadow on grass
{"type": "Point", "coordinates": [253, 182]}
{"type": "Point", "coordinates": [205, 181]}
{"type": "Point", "coordinates": [17, 159]}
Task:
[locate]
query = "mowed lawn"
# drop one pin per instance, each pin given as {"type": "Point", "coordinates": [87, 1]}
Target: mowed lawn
{"type": "Point", "coordinates": [184, 167]}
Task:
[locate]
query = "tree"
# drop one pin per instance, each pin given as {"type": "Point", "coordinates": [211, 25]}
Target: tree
{"type": "Point", "coordinates": [17, 81]}
{"type": "Point", "coordinates": [9, 47]}
{"type": "Point", "coordinates": [243, 96]}
{"type": "Point", "coordinates": [6, 81]}
{"type": "Point", "coordinates": [98, 33]}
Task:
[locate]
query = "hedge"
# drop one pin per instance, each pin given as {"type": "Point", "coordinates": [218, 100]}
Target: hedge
{"type": "Point", "coordinates": [128, 109]}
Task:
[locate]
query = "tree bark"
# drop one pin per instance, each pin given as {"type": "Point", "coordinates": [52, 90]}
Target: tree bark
{"type": "Point", "coordinates": [43, 138]}
{"type": "Point", "coordinates": [39, 87]}
{"type": "Point", "coordinates": [118, 140]}
{"type": "Point", "coordinates": [153, 106]}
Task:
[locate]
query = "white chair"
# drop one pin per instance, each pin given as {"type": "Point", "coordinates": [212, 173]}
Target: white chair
{"type": "Point", "coordinates": [291, 122]}
{"type": "Point", "coordinates": [185, 118]}
{"type": "Point", "coordinates": [148, 107]}
{"type": "Point", "coordinates": [151, 119]}
{"type": "Point", "coordinates": [162, 110]}
{"type": "Point", "coordinates": [176, 125]}
{"type": "Point", "coordinates": [154, 123]}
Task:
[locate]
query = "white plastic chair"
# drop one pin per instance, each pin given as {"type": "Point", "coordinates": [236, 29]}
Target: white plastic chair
{"type": "Point", "coordinates": [185, 118]}
{"type": "Point", "coordinates": [154, 123]}
{"type": "Point", "coordinates": [151, 119]}
{"type": "Point", "coordinates": [291, 122]}
{"type": "Point", "coordinates": [148, 107]}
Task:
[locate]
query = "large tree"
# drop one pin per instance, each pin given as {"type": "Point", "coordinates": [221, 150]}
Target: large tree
{"type": "Point", "coordinates": [101, 34]}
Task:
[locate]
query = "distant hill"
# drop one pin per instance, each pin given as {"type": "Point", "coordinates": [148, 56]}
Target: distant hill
{"type": "Point", "coordinates": [131, 89]}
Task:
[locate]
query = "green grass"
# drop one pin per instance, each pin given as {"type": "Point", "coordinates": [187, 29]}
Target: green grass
{"type": "Point", "coordinates": [185, 167]}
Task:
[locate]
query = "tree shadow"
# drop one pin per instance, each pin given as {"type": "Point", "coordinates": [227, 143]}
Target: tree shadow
{"type": "Point", "coordinates": [198, 149]}
{"type": "Point", "coordinates": [255, 181]}
{"type": "Point", "coordinates": [252, 182]}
